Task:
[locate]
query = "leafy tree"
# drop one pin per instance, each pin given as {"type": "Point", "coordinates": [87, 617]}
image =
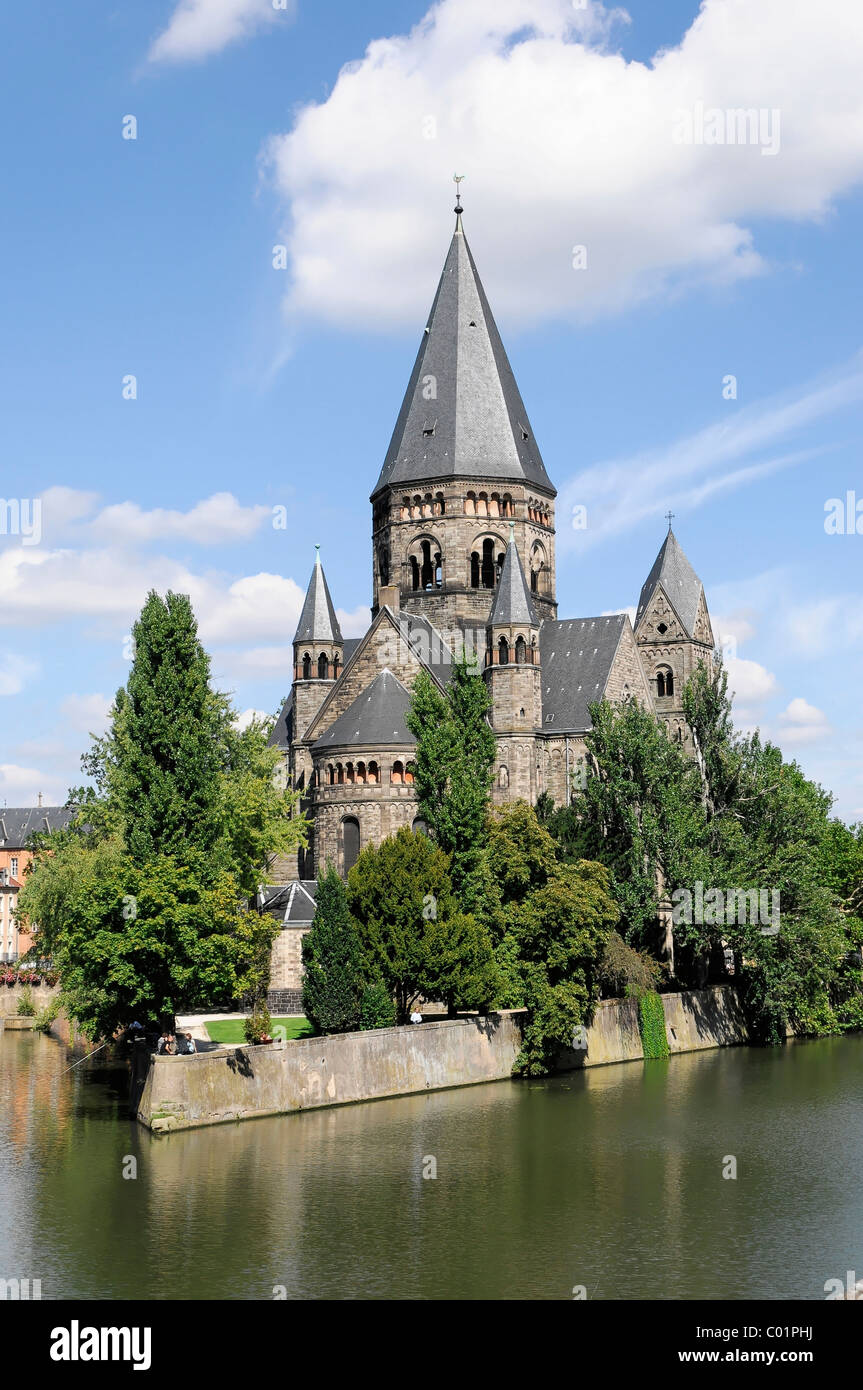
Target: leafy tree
{"type": "Point", "coordinates": [335, 971]}
{"type": "Point", "coordinates": [168, 740]}
{"type": "Point", "coordinates": [454, 761]}
{"type": "Point", "coordinates": [182, 818]}
{"type": "Point", "coordinates": [639, 813]}
{"type": "Point", "coordinates": [623, 971]}
{"type": "Point", "coordinates": [142, 941]}
{"type": "Point", "coordinates": [561, 930]}
{"type": "Point", "coordinates": [410, 926]}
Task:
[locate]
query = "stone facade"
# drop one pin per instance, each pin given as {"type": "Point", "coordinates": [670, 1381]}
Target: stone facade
{"type": "Point", "coordinates": [463, 556]}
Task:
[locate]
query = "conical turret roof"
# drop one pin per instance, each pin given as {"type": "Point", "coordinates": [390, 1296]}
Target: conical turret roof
{"type": "Point", "coordinates": [318, 621]}
{"type": "Point", "coordinates": [512, 601]}
{"type": "Point", "coordinates": [462, 414]}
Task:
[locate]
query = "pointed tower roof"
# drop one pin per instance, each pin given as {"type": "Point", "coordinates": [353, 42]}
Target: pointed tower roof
{"type": "Point", "coordinates": [512, 600]}
{"type": "Point", "coordinates": [318, 621]}
{"type": "Point", "coordinates": [673, 571]}
{"type": "Point", "coordinates": [462, 414]}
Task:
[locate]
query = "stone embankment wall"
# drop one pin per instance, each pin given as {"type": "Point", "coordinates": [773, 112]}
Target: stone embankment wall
{"type": "Point", "coordinates": [274, 1079]}
{"type": "Point", "coordinates": [40, 994]}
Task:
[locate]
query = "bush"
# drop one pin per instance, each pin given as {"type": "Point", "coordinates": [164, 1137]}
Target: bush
{"type": "Point", "coordinates": [45, 1017]}
{"type": "Point", "coordinates": [623, 970]}
{"type": "Point", "coordinates": [651, 1021]}
{"type": "Point", "coordinates": [334, 965]}
{"type": "Point", "coordinates": [257, 1026]}
{"type": "Point", "coordinates": [377, 1007]}
{"type": "Point", "coordinates": [26, 1007]}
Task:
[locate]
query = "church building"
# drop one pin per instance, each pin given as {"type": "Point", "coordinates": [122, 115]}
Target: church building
{"type": "Point", "coordinates": [463, 556]}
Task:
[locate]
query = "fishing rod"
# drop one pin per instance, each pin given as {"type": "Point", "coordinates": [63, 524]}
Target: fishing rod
{"type": "Point", "coordinates": [87, 1058]}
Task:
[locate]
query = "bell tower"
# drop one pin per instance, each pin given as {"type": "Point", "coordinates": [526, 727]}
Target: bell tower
{"type": "Point", "coordinates": [512, 670]}
{"type": "Point", "coordinates": [462, 469]}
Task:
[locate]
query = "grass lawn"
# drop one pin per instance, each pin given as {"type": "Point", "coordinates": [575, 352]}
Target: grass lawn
{"type": "Point", "coordinates": [230, 1030]}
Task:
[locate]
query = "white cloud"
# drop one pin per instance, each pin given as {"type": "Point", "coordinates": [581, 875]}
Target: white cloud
{"type": "Point", "coordinates": [354, 624]}
{"type": "Point", "coordinates": [87, 714]}
{"type": "Point", "coordinates": [199, 28]}
{"type": "Point", "coordinates": [215, 521]}
{"type": "Point", "coordinates": [621, 493]}
{"type": "Point", "coordinates": [242, 721]}
{"type": "Point", "coordinates": [110, 586]}
{"type": "Point", "coordinates": [802, 723]}
{"type": "Point", "coordinates": [749, 682]}
{"type": "Point", "coordinates": [565, 143]}
{"type": "Point", "coordinates": [15, 672]}
{"type": "Point", "coordinates": [20, 786]}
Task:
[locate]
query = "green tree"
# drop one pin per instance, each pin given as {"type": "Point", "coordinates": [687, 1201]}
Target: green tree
{"type": "Point", "coordinates": [561, 930]}
{"type": "Point", "coordinates": [169, 737]}
{"type": "Point", "coordinates": [142, 941]}
{"type": "Point", "coordinates": [454, 761]}
{"type": "Point", "coordinates": [335, 969]}
{"type": "Point", "coordinates": [410, 926]}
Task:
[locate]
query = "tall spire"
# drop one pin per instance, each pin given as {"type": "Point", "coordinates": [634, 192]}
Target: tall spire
{"type": "Point", "coordinates": [512, 601]}
{"type": "Point", "coordinates": [318, 621]}
{"type": "Point", "coordinates": [462, 414]}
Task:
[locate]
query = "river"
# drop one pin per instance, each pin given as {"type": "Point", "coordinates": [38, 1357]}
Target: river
{"type": "Point", "coordinates": [610, 1180]}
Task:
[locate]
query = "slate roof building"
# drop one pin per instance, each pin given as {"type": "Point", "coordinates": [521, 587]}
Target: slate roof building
{"type": "Point", "coordinates": [463, 556]}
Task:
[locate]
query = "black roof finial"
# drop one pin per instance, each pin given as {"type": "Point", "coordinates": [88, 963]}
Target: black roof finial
{"type": "Point", "coordinates": [457, 180]}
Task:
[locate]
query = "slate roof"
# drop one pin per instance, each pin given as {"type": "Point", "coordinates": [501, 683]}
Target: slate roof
{"type": "Point", "coordinates": [376, 717]}
{"type": "Point", "coordinates": [282, 732]}
{"type": "Point", "coordinates": [428, 644]}
{"type": "Point", "coordinates": [577, 656]}
{"type": "Point", "coordinates": [512, 601]}
{"type": "Point", "coordinates": [318, 621]}
{"type": "Point", "coordinates": [477, 425]}
{"type": "Point", "coordinates": [17, 824]}
{"type": "Point", "coordinates": [673, 571]}
{"type": "Point", "coordinates": [292, 903]}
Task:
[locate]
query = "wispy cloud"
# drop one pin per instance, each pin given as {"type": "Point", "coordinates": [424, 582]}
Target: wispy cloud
{"type": "Point", "coordinates": [199, 28]}
{"type": "Point", "coordinates": [621, 493]}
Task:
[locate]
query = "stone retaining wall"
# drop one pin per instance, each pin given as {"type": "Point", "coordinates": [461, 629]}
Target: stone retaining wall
{"type": "Point", "coordinates": [10, 995]}
{"type": "Point", "coordinates": [277, 1078]}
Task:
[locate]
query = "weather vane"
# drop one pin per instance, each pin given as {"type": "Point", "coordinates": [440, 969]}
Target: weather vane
{"type": "Point", "coordinates": [457, 180]}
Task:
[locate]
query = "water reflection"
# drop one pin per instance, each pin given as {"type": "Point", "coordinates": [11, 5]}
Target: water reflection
{"type": "Point", "coordinates": [611, 1178]}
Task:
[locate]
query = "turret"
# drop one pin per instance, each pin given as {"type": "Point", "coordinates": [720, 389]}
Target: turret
{"type": "Point", "coordinates": [513, 674]}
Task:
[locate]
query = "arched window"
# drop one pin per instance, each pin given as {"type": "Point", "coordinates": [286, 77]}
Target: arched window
{"type": "Point", "coordinates": [307, 667]}
{"type": "Point", "coordinates": [503, 777]}
{"type": "Point", "coordinates": [427, 504]}
{"type": "Point", "coordinates": [350, 772]}
{"type": "Point", "coordinates": [488, 574]}
{"type": "Point", "coordinates": [494, 505]}
{"type": "Point", "coordinates": [384, 564]}
{"type": "Point", "coordinates": [420, 826]}
{"type": "Point", "coordinates": [323, 667]}
{"type": "Point", "coordinates": [340, 774]}
{"type": "Point", "coordinates": [470, 504]}
{"type": "Point", "coordinates": [482, 504]}
{"type": "Point", "coordinates": [415, 573]}
{"type": "Point", "coordinates": [406, 508]}
{"type": "Point", "coordinates": [397, 776]}
{"type": "Point", "coordinates": [373, 772]}
{"type": "Point", "coordinates": [350, 843]}
{"type": "Point", "coordinates": [520, 651]}
{"type": "Point", "coordinates": [664, 681]}
{"type": "Point", "coordinates": [474, 570]}
{"type": "Point", "coordinates": [332, 772]}
{"type": "Point", "coordinates": [409, 774]}
{"type": "Point", "coordinates": [503, 652]}
{"type": "Point", "coordinates": [361, 772]}
{"type": "Point", "coordinates": [439, 504]}
{"type": "Point", "coordinates": [336, 665]}
{"type": "Point", "coordinates": [506, 505]}
{"type": "Point", "coordinates": [427, 571]}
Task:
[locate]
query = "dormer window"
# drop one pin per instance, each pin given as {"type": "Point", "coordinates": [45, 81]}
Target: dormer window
{"type": "Point", "coordinates": [428, 430]}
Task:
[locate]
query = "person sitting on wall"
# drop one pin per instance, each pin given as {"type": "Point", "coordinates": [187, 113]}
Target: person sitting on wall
{"type": "Point", "coordinates": [170, 1045]}
{"type": "Point", "coordinates": [189, 1046]}
{"type": "Point", "coordinates": [162, 1044]}
{"type": "Point", "coordinates": [416, 1016]}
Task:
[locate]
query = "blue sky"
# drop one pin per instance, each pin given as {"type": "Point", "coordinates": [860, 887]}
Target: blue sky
{"type": "Point", "coordinates": [333, 130]}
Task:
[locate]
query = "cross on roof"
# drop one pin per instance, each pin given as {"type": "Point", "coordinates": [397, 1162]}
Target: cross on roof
{"type": "Point", "coordinates": [669, 517]}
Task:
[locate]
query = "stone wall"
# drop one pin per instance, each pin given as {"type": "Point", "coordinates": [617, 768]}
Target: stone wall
{"type": "Point", "coordinates": [286, 960]}
{"type": "Point", "coordinates": [10, 995]}
{"type": "Point", "coordinates": [276, 1078]}
{"type": "Point", "coordinates": [184, 1092]}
